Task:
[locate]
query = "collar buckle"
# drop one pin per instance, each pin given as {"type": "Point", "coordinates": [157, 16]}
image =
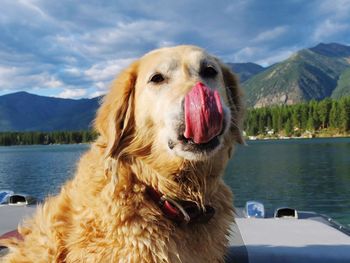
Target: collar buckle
{"type": "Point", "coordinates": [181, 211]}
{"type": "Point", "coordinates": [164, 199]}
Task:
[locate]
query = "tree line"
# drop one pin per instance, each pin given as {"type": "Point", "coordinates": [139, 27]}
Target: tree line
{"type": "Point", "coordinates": [56, 137]}
{"type": "Point", "coordinates": [312, 116]}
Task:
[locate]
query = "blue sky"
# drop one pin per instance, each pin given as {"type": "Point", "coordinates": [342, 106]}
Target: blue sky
{"type": "Point", "coordinates": [73, 49]}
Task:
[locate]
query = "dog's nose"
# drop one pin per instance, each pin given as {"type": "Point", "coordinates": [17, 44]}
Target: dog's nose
{"type": "Point", "coordinates": [203, 114]}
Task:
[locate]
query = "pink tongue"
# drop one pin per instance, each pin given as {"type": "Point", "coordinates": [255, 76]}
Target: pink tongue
{"type": "Point", "coordinates": [203, 114]}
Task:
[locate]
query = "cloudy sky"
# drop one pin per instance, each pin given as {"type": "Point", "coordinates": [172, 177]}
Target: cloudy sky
{"type": "Point", "coordinates": [73, 49]}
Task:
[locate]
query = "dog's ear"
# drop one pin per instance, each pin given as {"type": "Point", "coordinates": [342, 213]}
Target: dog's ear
{"type": "Point", "coordinates": [234, 94]}
{"type": "Point", "coordinates": [115, 116]}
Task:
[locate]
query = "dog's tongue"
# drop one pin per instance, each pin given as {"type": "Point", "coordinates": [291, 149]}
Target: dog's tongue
{"type": "Point", "coordinates": [203, 114]}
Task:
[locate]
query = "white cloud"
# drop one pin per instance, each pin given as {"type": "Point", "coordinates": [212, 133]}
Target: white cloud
{"type": "Point", "coordinates": [72, 93]}
{"type": "Point", "coordinates": [107, 70]}
{"type": "Point", "coordinates": [122, 39]}
{"type": "Point", "coordinates": [62, 45]}
{"type": "Point", "coordinates": [246, 54]}
{"type": "Point", "coordinates": [237, 6]}
{"type": "Point", "coordinates": [128, 32]}
{"type": "Point", "coordinates": [8, 76]}
{"type": "Point", "coordinates": [7, 73]}
{"type": "Point", "coordinates": [52, 82]}
{"type": "Point", "coordinates": [328, 29]}
{"type": "Point", "coordinates": [274, 57]}
{"type": "Point", "coordinates": [22, 78]}
{"type": "Point", "coordinates": [263, 56]}
{"type": "Point", "coordinates": [30, 5]}
{"type": "Point", "coordinates": [334, 21]}
{"type": "Point", "coordinates": [101, 85]}
{"type": "Point", "coordinates": [165, 43]}
{"type": "Point", "coordinates": [97, 94]}
{"type": "Point", "coordinates": [102, 74]}
{"type": "Point", "coordinates": [338, 9]}
{"type": "Point", "coordinates": [73, 71]}
{"type": "Point", "coordinates": [271, 34]}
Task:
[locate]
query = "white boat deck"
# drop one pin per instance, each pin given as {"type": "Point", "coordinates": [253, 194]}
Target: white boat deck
{"type": "Point", "coordinates": [11, 215]}
{"type": "Point", "coordinates": [288, 240]}
{"type": "Point", "coordinates": [255, 240]}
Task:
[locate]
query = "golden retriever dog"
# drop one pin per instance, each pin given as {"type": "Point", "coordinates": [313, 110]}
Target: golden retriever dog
{"type": "Point", "coordinates": [150, 189]}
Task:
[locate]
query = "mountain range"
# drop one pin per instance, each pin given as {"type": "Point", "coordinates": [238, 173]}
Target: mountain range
{"type": "Point", "coordinates": [23, 111]}
{"type": "Point", "coordinates": [313, 73]}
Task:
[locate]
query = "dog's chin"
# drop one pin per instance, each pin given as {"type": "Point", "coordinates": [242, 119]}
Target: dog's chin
{"type": "Point", "coordinates": [189, 150]}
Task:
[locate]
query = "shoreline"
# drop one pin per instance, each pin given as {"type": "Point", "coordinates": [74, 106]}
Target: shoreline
{"type": "Point", "coordinates": [282, 137]}
{"type": "Point", "coordinates": [247, 138]}
{"type": "Point", "coordinates": [52, 144]}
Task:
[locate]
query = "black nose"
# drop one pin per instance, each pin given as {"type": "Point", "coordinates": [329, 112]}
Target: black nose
{"type": "Point", "coordinates": [171, 144]}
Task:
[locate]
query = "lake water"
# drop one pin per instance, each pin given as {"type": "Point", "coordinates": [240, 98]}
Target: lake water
{"type": "Point", "coordinates": [306, 174]}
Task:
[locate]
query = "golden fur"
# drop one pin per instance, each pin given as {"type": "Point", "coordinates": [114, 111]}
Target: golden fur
{"type": "Point", "coordinates": [104, 214]}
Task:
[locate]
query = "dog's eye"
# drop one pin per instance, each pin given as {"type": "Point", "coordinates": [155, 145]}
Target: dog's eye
{"type": "Point", "coordinates": [157, 78]}
{"type": "Point", "coordinates": [208, 72]}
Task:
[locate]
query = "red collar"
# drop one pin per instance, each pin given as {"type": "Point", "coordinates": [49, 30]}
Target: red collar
{"type": "Point", "coordinates": [180, 211]}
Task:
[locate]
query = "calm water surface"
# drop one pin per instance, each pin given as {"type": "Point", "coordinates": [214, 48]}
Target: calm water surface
{"type": "Point", "coordinates": [304, 174]}
{"type": "Point", "coordinates": [38, 170]}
